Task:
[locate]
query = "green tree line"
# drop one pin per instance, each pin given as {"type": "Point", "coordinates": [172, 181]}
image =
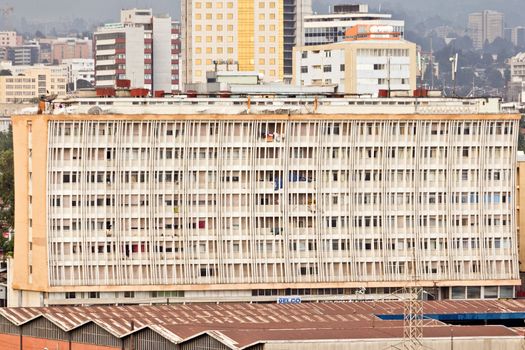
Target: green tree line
{"type": "Point", "coordinates": [7, 190]}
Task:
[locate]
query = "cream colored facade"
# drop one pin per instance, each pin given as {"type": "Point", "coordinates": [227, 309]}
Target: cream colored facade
{"type": "Point", "coordinates": [230, 207]}
{"type": "Point", "coordinates": [485, 26]}
{"type": "Point", "coordinates": [8, 39]}
{"type": "Point", "coordinates": [245, 35]}
{"type": "Point", "coordinates": [358, 67]}
{"type": "Point", "coordinates": [28, 84]}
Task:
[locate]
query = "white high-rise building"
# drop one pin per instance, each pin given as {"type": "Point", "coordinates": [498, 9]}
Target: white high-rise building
{"type": "Point", "coordinates": [330, 28]}
{"type": "Point", "coordinates": [516, 85]}
{"type": "Point", "coordinates": [141, 48]}
{"type": "Point", "coordinates": [485, 26]}
{"type": "Point", "coordinates": [321, 197]}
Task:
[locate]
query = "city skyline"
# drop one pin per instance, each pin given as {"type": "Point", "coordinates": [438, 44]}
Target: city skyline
{"type": "Point", "coordinates": [60, 9]}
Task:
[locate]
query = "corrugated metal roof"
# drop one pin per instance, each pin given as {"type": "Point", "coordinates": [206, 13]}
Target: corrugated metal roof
{"type": "Point", "coordinates": [238, 325]}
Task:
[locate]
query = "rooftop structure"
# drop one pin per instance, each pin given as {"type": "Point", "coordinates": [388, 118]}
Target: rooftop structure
{"type": "Point", "coordinates": [257, 326]}
{"type": "Point", "coordinates": [331, 28]}
{"type": "Point", "coordinates": [278, 102]}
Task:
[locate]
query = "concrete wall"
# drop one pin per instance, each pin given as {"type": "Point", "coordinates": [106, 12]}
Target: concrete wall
{"type": "Point", "coordinates": [12, 342]}
{"type": "Point", "coordinates": [135, 56]}
{"type": "Point", "coordinates": [162, 54]}
{"type": "Point", "coordinates": [480, 343]}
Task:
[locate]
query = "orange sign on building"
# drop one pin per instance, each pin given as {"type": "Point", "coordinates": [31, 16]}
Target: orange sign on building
{"type": "Point", "coordinates": [371, 32]}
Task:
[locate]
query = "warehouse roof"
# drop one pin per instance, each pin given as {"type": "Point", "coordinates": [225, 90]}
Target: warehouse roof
{"type": "Point", "coordinates": [242, 325]}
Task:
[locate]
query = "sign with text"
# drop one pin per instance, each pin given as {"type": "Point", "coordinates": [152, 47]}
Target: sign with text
{"type": "Point", "coordinates": [289, 300]}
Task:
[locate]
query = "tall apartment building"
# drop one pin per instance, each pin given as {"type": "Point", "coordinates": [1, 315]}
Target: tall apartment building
{"type": "Point", "coordinates": [247, 35]}
{"type": "Point", "coordinates": [293, 14]}
{"type": "Point", "coordinates": [364, 64]}
{"type": "Point", "coordinates": [325, 198]}
{"type": "Point", "coordinates": [515, 35]}
{"type": "Point", "coordinates": [24, 55]}
{"type": "Point", "coordinates": [142, 48]}
{"type": "Point", "coordinates": [71, 48]}
{"type": "Point", "coordinates": [330, 28]}
{"type": "Point", "coordinates": [485, 26]}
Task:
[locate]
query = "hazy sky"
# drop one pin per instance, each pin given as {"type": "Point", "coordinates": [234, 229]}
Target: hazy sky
{"type": "Point", "coordinates": [102, 10]}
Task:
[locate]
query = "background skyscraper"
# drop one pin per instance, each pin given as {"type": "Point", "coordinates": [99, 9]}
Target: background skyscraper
{"type": "Point", "coordinates": [142, 48]}
{"type": "Point", "coordinates": [243, 35]}
{"type": "Point", "coordinates": [485, 26]}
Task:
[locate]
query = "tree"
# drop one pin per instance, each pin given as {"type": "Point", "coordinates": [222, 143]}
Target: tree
{"type": "Point", "coordinates": [521, 138]}
{"type": "Point", "coordinates": [465, 76]}
{"type": "Point", "coordinates": [495, 78]}
{"type": "Point", "coordinates": [499, 45]}
{"type": "Point", "coordinates": [463, 43]}
{"type": "Point", "coordinates": [5, 72]}
{"type": "Point", "coordinates": [7, 190]}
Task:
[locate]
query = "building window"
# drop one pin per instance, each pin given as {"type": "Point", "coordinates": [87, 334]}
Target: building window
{"type": "Point", "coordinates": [342, 68]}
{"type": "Point", "coordinates": [94, 295]}
{"type": "Point", "coordinates": [327, 69]}
{"type": "Point", "coordinates": [304, 69]}
{"type": "Point", "coordinates": [71, 295]}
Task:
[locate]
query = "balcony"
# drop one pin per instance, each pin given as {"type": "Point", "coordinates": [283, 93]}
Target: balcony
{"type": "Point", "coordinates": [105, 63]}
{"type": "Point", "coordinates": [105, 52]}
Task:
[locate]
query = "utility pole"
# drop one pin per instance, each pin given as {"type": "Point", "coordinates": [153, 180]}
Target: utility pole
{"type": "Point", "coordinates": [413, 310]}
{"type": "Point", "coordinates": [454, 61]}
{"type": "Point", "coordinates": [432, 64]}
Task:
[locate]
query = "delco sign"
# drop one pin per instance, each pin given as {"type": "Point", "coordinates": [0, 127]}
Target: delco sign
{"type": "Point", "coordinates": [289, 300]}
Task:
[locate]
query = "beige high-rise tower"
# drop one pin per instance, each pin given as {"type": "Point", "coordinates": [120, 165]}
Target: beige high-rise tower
{"type": "Point", "coordinates": [244, 35]}
{"type": "Point", "coordinates": [485, 26]}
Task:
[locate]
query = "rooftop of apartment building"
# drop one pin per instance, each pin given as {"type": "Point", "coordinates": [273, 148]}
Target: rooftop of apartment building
{"type": "Point", "coordinates": [278, 102]}
{"type": "Point", "coordinates": [348, 12]}
{"type": "Point", "coordinates": [519, 58]}
{"type": "Point", "coordinates": [370, 37]}
{"type": "Point", "coordinates": [346, 16]}
{"type": "Point", "coordinates": [240, 326]}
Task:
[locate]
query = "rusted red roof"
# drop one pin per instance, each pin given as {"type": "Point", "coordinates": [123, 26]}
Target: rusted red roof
{"type": "Point", "coordinates": [240, 325]}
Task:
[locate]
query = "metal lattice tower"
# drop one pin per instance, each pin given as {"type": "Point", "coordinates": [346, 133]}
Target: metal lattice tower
{"type": "Point", "coordinates": [413, 319]}
{"type": "Point", "coordinates": [413, 311]}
